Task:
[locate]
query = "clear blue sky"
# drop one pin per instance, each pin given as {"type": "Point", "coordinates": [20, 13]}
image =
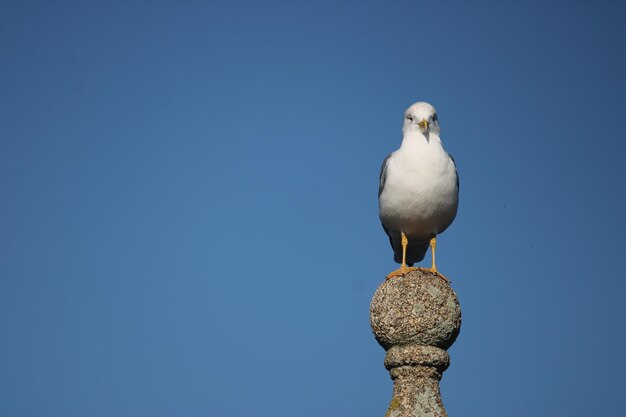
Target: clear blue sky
{"type": "Point", "coordinates": [189, 223]}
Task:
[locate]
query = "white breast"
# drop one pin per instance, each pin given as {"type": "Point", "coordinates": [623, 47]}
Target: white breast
{"type": "Point", "coordinates": [420, 196]}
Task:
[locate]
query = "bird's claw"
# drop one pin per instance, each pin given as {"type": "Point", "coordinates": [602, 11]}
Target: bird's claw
{"type": "Point", "coordinates": [436, 272]}
{"type": "Point", "coordinates": [400, 272]}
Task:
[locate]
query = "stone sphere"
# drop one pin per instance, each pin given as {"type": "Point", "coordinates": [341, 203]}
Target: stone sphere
{"type": "Point", "coordinates": [418, 308]}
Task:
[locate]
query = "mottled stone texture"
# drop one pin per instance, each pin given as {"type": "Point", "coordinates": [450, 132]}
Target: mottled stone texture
{"type": "Point", "coordinates": [415, 318]}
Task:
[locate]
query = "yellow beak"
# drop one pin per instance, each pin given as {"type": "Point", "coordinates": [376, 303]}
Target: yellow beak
{"type": "Point", "coordinates": [423, 124]}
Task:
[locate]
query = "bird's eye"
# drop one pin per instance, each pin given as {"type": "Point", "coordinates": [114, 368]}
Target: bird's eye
{"type": "Point", "coordinates": [410, 117]}
{"type": "Point", "coordinates": [435, 117]}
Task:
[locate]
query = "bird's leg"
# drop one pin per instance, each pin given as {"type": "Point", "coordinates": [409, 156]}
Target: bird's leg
{"type": "Point", "coordinates": [403, 268]}
{"type": "Point", "coordinates": [405, 243]}
{"type": "Point", "coordinates": [433, 245]}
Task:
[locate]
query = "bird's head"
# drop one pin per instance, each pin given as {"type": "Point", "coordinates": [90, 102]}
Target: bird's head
{"type": "Point", "coordinates": [421, 117]}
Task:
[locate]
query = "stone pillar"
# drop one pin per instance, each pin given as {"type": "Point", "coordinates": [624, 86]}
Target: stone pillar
{"type": "Point", "coordinates": [416, 318]}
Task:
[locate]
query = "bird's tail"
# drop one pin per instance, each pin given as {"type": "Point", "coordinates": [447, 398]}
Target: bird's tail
{"type": "Point", "coordinates": [415, 252]}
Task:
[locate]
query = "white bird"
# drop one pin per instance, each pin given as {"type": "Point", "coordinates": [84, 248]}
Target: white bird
{"type": "Point", "coordinates": [418, 193]}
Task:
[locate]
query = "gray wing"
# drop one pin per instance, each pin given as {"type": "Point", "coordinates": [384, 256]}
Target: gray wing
{"type": "Point", "coordinates": [381, 187]}
{"type": "Point", "coordinates": [383, 175]}
{"type": "Point", "coordinates": [456, 171]}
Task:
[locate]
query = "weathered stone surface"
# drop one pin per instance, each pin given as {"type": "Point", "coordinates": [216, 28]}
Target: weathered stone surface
{"type": "Point", "coordinates": [415, 318]}
{"type": "Point", "coordinates": [418, 308]}
{"type": "Point", "coordinates": [413, 355]}
{"type": "Point", "coordinates": [415, 393]}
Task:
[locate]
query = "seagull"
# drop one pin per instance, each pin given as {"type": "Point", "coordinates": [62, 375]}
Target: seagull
{"type": "Point", "coordinates": [418, 194]}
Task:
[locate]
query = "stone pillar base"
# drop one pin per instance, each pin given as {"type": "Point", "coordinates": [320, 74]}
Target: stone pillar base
{"type": "Point", "coordinates": [415, 318]}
